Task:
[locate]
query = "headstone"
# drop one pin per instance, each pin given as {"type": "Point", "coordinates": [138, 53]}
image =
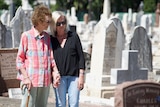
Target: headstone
{"type": "Point", "coordinates": [12, 9]}
{"type": "Point", "coordinates": [73, 18]}
{"type": "Point", "coordinates": [8, 71]}
{"type": "Point", "coordinates": [140, 13]}
{"type": "Point", "coordinates": [106, 9]}
{"type": "Point", "coordinates": [8, 38]}
{"type": "Point", "coordinates": [130, 70]}
{"type": "Point", "coordinates": [5, 36]}
{"type": "Point", "coordinates": [2, 35]}
{"type": "Point", "coordinates": [102, 58]}
{"type": "Point", "coordinates": [141, 42]}
{"type": "Point", "coordinates": [120, 41]}
{"type": "Point", "coordinates": [26, 6]}
{"type": "Point", "coordinates": [145, 22]}
{"type": "Point", "coordinates": [134, 19]}
{"type": "Point", "coordinates": [129, 19]}
{"type": "Point", "coordinates": [140, 93]}
{"type": "Point", "coordinates": [125, 22]}
{"type": "Point", "coordinates": [19, 24]}
{"type": "Point", "coordinates": [5, 17]}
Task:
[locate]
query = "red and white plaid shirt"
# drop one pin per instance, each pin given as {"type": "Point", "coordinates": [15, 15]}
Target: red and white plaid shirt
{"type": "Point", "coordinates": [36, 56]}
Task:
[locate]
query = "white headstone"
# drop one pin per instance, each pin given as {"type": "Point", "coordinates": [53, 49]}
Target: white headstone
{"type": "Point", "coordinates": [102, 58]}
{"type": "Point", "coordinates": [20, 23]}
{"type": "Point", "coordinates": [106, 9]}
{"type": "Point", "coordinates": [26, 6]}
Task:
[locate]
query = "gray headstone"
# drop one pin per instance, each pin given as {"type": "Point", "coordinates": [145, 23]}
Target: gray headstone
{"type": "Point", "coordinates": [8, 38]}
{"type": "Point", "coordinates": [141, 42]}
{"type": "Point", "coordinates": [5, 17]}
{"type": "Point", "coordinates": [120, 42]}
{"type": "Point", "coordinates": [19, 24]}
{"type": "Point", "coordinates": [130, 70]}
{"type": "Point", "coordinates": [2, 35]}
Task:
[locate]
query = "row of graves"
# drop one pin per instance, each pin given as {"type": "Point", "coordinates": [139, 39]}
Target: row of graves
{"type": "Point", "coordinates": [121, 66]}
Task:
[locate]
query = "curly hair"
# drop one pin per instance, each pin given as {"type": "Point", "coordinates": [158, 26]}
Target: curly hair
{"type": "Point", "coordinates": [39, 14]}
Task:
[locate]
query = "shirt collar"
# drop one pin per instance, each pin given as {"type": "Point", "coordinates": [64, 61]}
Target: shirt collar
{"type": "Point", "coordinates": [37, 34]}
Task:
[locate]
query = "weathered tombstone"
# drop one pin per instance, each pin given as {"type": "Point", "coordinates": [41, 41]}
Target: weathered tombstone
{"type": "Point", "coordinates": [5, 17]}
{"type": "Point", "coordinates": [106, 9]}
{"type": "Point", "coordinates": [130, 70]}
{"type": "Point", "coordinates": [145, 22]}
{"type": "Point", "coordinates": [140, 93]}
{"type": "Point", "coordinates": [120, 43]}
{"type": "Point", "coordinates": [129, 19]}
{"type": "Point", "coordinates": [8, 72]}
{"type": "Point", "coordinates": [8, 38]}
{"type": "Point", "coordinates": [26, 6]}
{"type": "Point", "coordinates": [5, 36]}
{"type": "Point", "coordinates": [19, 24]}
{"type": "Point", "coordinates": [103, 58]}
{"type": "Point", "coordinates": [2, 35]}
{"type": "Point", "coordinates": [134, 20]}
{"type": "Point", "coordinates": [125, 22]}
{"type": "Point", "coordinates": [141, 42]}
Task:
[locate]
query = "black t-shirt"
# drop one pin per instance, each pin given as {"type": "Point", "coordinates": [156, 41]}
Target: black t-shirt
{"type": "Point", "coordinates": [70, 58]}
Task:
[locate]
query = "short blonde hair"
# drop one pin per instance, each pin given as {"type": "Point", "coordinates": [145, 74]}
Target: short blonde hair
{"type": "Point", "coordinates": [39, 14]}
{"type": "Point", "coordinates": [56, 15]}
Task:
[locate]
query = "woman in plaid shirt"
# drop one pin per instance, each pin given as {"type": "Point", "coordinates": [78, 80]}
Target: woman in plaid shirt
{"type": "Point", "coordinates": [35, 59]}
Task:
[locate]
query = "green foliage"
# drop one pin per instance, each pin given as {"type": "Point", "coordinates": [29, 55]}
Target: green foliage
{"type": "Point", "coordinates": [31, 2]}
{"type": "Point", "coordinates": [17, 3]}
{"type": "Point", "coordinates": [95, 7]}
{"type": "Point", "coordinates": [3, 5]}
{"type": "Point", "coordinates": [149, 6]}
{"type": "Point", "coordinates": [92, 7]}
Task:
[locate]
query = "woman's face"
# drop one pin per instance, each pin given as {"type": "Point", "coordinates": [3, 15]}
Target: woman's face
{"type": "Point", "coordinates": [46, 23]}
{"type": "Point", "coordinates": [61, 25]}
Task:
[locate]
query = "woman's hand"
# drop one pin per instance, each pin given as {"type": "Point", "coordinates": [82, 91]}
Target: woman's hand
{"type": "Point", "coordinates": [81, 81]}
{"type": "Point", "coordinates": [56, 79]}
{"type": "Point", "coordinates": [27, 82]}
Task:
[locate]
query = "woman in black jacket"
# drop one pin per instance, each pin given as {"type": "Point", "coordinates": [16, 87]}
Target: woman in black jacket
{"type": "Point", "coordinates": [70, 62]}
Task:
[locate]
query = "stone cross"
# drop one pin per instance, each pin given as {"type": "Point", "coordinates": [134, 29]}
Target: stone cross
{"type": "Point", "coordinates": [130, 70]}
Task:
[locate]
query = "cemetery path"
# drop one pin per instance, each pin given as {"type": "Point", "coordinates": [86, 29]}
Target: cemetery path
{"type": "Point", "coordinates": [8, 102]}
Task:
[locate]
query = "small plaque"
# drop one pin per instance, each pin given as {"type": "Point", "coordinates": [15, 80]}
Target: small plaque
{"type": "Point", "coordinates": [15, 93]}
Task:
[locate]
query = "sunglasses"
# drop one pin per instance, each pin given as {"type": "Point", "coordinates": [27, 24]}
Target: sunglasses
{"type": "Point", "coordinates": [61, 23]}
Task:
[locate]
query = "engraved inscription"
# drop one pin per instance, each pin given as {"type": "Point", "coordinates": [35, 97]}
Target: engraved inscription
{"type": "Point", "coordinates": [8, 65]}
{"type": "Point", "coordinates": [142, 95]}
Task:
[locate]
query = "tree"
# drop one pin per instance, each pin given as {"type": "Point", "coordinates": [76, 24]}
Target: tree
{"type": "Point", "coordinates": [3, 5]}
{"type": "Point", "coordinates": [149, 6]}
{"type": "Point", "coordinates": [95, 7]}
{"type": "Point", "coordinates": [17, 3]}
